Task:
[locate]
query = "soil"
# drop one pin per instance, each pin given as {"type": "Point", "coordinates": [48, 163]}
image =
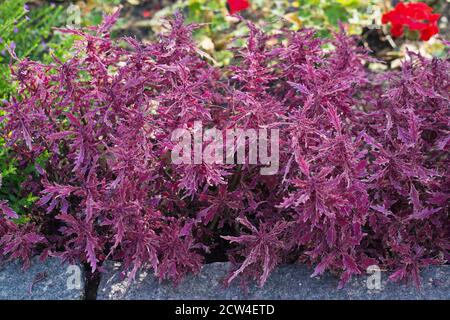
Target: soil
{"type": "Point", "coordinates": [92, 283]}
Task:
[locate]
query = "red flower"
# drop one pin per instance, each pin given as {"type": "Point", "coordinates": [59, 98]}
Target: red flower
{"type": "Point", "coordinates": [146, 14]}
{"type": "Point", "coordinates": [237, 5]}
{"type": "Point", "coordinates": [416, 16]}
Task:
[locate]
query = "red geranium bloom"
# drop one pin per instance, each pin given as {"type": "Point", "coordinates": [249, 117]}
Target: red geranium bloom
{"type": "Point", "coordinates": [416, 16]}
{"type": "Point", "coordinates": [146, 14]}
{"type": "Point", "coordinates": [237, 5]}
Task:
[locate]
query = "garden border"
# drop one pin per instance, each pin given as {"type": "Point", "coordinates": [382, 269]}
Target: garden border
{"type": "Point", "coordinates": [287, 282]}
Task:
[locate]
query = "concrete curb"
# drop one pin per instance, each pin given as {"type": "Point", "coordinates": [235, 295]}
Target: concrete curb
{"type": "Point", "coordinates": [290, 282]}
{"type": "Point", "coordinates": [48, 280]}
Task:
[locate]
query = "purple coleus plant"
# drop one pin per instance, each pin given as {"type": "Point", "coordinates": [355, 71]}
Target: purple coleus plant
{"type": "Point", "coordinates": [363, 174]}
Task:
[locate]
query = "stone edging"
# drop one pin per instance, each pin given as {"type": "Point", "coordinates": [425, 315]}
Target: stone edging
{"type": "Point", "coordinates": [48, 280]}
{"type": "Point", "coordinates": [55, 281]}
{"type": "Point", "coordinates": [290, 282]}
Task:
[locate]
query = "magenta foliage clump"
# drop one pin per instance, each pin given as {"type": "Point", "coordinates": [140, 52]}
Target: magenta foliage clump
{"type": "Point", "coordinates": [363, 157]}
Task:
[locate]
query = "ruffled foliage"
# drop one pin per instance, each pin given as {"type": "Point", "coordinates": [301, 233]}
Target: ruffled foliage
{"type": "Point", "coordinates": [363, 176]}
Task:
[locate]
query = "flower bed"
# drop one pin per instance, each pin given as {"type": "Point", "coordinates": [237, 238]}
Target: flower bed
{"type": "Point", "coordinates": [363, 157]}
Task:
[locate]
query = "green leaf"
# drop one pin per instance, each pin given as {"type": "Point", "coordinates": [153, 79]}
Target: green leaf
{"type": "Point", "coordinates": [336, 13]}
